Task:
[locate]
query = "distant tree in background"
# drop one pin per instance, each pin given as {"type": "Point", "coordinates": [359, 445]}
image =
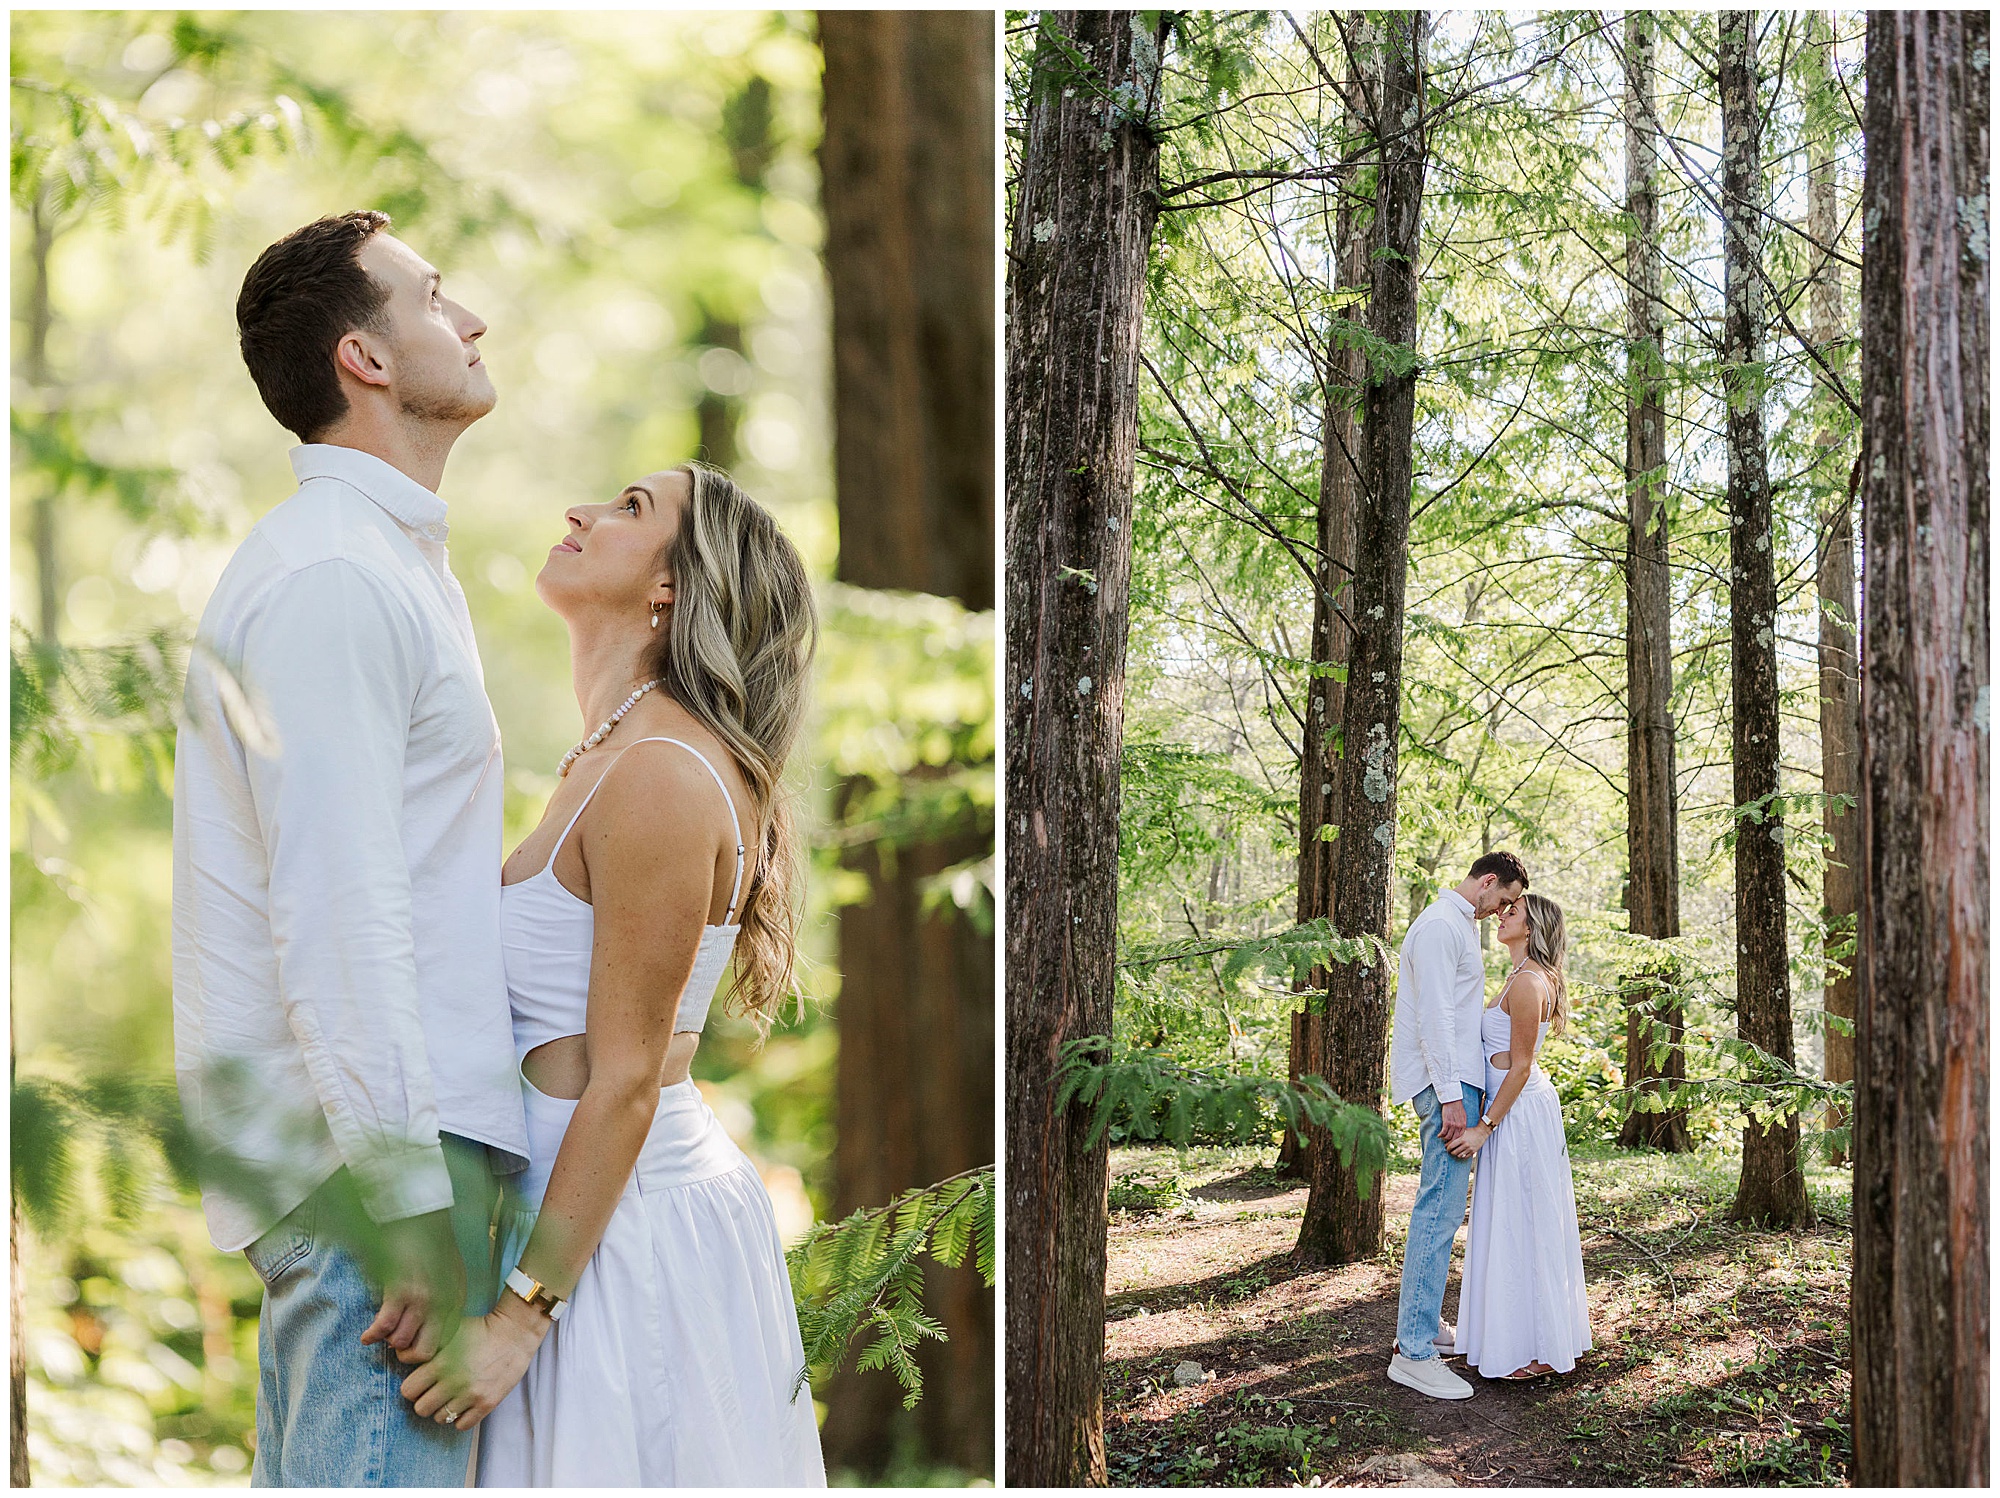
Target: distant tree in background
{"type": "Point", "coordinates": [1652, 822]}
{"type": "Point", "coordinates": [1839, 667]}
{"type": "Point", "coordinates": [1343, 1217]}
{"type": "Point", "coordinates": [1343, 373]}
{"type": "Point", "coordinates": [1772, 1189]}
{"type": "Point", "coordinates": [907, 164]}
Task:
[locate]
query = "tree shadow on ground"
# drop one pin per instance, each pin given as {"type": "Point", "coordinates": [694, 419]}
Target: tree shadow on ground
{"type": "Point", "coordinates": [1719, 1358]}
{"type": "Point", "coordinates": [1229, 1285]}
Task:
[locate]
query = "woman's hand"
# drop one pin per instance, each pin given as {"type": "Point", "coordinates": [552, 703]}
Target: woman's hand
{"type": "Point", "coordinates": [480, 1367]}
{"type": "Point", "coordinates": [1466, 1145]}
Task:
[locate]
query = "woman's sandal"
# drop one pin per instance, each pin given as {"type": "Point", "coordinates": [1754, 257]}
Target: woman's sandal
{"type": "Point", "coordinates": [1536, 1369]}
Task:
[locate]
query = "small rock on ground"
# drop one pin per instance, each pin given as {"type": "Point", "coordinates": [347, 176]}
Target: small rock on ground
{"type": "Point", "coordinates": [1190, 1373]}
{"type": "Point", "coordinates": [1400, 1470]}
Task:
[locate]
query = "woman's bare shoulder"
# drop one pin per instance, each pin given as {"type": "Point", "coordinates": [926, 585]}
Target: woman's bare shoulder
{"type": "Point", "coordinates": [1541, 988]}
{"type": "Point", "coordinates": [659, 792]}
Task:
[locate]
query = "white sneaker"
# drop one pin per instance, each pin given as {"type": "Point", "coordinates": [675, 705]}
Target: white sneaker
{"type": "Point", "coordinates": [1430, 1378]}
{"type": "Point", "coordinates": [1446, 1339]}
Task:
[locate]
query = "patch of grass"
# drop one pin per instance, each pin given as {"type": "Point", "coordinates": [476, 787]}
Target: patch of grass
{"type": "Point", "coordinates": [1149, 1192]}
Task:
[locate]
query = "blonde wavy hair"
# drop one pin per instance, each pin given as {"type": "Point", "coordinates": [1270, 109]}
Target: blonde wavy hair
{"type": "Point", "coordinates": [1548, 945]}
{"type": "Point", "coordinates": [738, 653]}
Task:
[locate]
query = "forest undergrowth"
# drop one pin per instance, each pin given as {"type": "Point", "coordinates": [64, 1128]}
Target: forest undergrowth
{"type": "Point", "coordinates": [1719, 1358]}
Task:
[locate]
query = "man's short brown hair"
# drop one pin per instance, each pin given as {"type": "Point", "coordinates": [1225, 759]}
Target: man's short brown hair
{"type": "Point", "coordinates": [304, 294]}
{"type": "Point", "coordinates": [1510, 869]}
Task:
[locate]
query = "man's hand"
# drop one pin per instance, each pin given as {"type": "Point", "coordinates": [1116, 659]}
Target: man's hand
{"type": "Point", "coordinates": [424, 1293]}
{"type": "Point", "coordinates": [1454, 1121]}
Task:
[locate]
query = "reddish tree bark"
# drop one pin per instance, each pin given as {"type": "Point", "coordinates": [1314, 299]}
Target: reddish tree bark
{"type": "Point", "coordinates": [1839, 670]}
{"type": "Point", "coordinates": [1085, 208]}
{"type": "Point", "coordinates": [1921, 1052]}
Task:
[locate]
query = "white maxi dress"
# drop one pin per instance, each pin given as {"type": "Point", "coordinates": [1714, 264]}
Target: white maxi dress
{"type": "Point", "coordinates": [676, 1362]}
{"type": "Point", "coordinates": [1521, 1298]}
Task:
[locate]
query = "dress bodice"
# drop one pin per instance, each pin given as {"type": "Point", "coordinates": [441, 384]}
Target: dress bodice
{"type": "Point", "coordinates": [546, 936]}
{"type": "Point", "coordinates": [1496, 1031]}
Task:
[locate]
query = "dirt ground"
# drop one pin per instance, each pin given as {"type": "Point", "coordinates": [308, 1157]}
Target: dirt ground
{"type": "Point", "coordinates": [1719, 1356]}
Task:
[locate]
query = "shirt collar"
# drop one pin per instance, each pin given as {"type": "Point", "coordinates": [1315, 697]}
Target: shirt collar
{"type": "Point", "coordinates": [408, 501]}
{"type": "Point", "coordinates": [1462, 904]}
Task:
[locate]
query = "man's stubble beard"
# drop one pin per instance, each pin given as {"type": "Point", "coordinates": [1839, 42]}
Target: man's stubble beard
{"type": "Point", "coordinates": [461, 405]}
{"type": "Point", "coordinates": [460, 408]}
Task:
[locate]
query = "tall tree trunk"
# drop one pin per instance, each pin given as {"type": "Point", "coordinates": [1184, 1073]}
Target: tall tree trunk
{"type": "Point", "coordinates": [1839, 671]}
{"type": "Point", "coordinates": [1341, 1224]}
{"type": "Point", "coordinates": [43, 538]}
{"type": "Point", "coordinates": [1326, 695]}
{"type": "Point", "coordinates": [909, 100]}
{"type": "Point", "coordinates": [1772, 1188]}
{"type": "Point", "coordinates": [42, 518]}
{"type": "Point", "coordinates": [1085, 208]}
{"type": "Point", "coordinates": [17, 1357]}
{"type": "Point", "coordinates": [907, 162]}
{"type": "Point", "coordinates": [719, 412]}
{"type": "Point", "coordinates": [1921, 1052]}
{"type": "Point", "coordinates": [1652, 831]}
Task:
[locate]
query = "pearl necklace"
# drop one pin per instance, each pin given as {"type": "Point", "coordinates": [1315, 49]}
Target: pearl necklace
{"type": "Point", "coordinates": [604, 728]}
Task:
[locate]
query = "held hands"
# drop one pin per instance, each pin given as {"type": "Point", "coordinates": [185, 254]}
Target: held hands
{"type": "Point", "coordinates": [425, 1288]}
{"type": "Point", "coordinates": [1454, 1121]}
{"type": "Point", "coordinates": [1468, 1141]}
{"type": "Point", "coordinates": [466, 1382]}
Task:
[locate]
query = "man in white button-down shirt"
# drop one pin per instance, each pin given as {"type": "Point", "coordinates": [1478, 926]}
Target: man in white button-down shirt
{"type": "Point", "coordinates": [341, 1026]}
{"type": "Point", "coordinates": [1436, 1064]}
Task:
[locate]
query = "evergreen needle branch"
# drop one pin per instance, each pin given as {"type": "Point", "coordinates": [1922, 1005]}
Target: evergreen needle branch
{"type": "Point", "coordinates": [865, 1275]}
{"type": "Point", "coordinates": [1154, 1096]}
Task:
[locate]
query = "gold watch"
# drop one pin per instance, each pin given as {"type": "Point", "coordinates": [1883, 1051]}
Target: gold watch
{"type": "Point", "coordinates": [535, 1293]}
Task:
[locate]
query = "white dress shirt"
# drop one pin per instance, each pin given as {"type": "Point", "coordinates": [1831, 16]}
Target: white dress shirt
{"type": "Point", "coordinates": [338, 993]}
{"type": "Point", "coordinates": [1440, 989]}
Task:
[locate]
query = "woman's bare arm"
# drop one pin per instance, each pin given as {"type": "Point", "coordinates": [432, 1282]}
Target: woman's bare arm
{"type": "Point", "coordinates": [1524, 1029]}
{"type": "Point", "coordinates": [1523, 1005]}
{"type": "Point", "coordinates": [650, 906]}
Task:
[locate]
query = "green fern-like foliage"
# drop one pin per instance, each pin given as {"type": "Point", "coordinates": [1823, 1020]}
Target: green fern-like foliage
{"type": "Point", "coordinates": [1156, 1097]}
{"type": "Point", "coordinates": [1724, 1072]}
{"type": "Point", "coordinates": [111, 1133]}
{"type": "Point", "coordinates": [863, 1277]}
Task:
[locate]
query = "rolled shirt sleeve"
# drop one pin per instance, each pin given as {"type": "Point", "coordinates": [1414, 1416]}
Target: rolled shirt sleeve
{"type": "Point", "coordinates": [1433, 964]}
{"type": "Point", "coordinates": [334, 664]}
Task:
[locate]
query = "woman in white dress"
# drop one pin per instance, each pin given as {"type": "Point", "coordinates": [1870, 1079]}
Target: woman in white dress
{"type": "Point", "coordinates": [1522, 1310]}
{"type": "Point", "coordinates": [648, 1336]}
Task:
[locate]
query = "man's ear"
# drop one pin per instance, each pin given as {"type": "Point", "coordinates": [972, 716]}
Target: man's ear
{"type": "Point", "coordinates": [359, 356]}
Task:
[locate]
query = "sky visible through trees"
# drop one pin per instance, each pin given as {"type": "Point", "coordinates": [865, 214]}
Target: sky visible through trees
{"type": "Point", "coordinates": [1513, 723]}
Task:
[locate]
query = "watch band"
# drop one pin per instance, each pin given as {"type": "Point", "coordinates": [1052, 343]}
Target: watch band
{"type": "Point", "coordinates": [535, 1293]}
{"type": "Point", "coordinates": [1487, 1119]}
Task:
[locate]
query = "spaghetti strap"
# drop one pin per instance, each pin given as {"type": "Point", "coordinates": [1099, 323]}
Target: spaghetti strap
{"type": "Point", "coordinates": [736, 888]}
{"type": "Point", "coordinates": [1542, 1000]}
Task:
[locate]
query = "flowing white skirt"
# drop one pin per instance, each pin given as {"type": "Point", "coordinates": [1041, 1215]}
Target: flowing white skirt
{"type": "Point", "coordinates": [1521, 1299]}
{"type": "Point", "coordinates": [675, 1363]}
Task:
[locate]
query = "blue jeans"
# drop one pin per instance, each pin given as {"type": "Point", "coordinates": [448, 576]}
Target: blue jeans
{"type": "Point", "coordinates": [1440, 1208]}
{"type": "Point", "coordinates": [330, 1412]}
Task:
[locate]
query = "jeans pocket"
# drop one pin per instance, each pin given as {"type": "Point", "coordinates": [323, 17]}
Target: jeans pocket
{"type": "Point", "coordinates": [285, 1245]}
